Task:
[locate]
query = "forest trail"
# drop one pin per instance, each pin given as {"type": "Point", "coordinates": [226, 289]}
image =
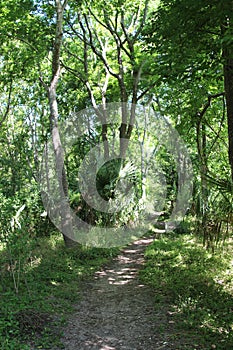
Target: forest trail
{"type": "Point", "coordinates": [116, 311]}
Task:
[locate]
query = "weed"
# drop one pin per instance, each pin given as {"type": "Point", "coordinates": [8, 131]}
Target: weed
{"type": "Point", "coordinates": [47, 294]}
{"type": "Point", "coordinates": [197, 287]}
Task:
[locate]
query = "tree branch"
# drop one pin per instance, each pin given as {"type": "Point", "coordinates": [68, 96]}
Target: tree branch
{"type": "Point", "coordinates": [142, 22]}
{"type": "Point", "coordinates": [146, 91]}
{"type": "Point", "coordinates": [207, 105]}
{"type": "Point", "coordinates": [94, 49]}
{"type": "Point", "coordinates": [5, 114]}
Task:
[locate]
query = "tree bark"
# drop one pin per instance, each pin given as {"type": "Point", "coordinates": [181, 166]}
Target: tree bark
{"type": "Point", "coordinates": [227, 53]}
{"type": "Point", "coordinates": [228, 84]}
{"type": "Point", "coordinates": [201, 147]}
{"type": "Point", "coordinates": [65, 215]}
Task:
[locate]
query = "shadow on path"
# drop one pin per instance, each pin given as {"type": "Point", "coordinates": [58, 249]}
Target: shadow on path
{"type": "Point", "coordinates": [116, 311]}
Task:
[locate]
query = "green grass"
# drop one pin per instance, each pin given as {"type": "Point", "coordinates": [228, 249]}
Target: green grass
{"type": "Point", "coordinates": [48, 289]}
{"type": "Point", "coordinates": [196, 286]}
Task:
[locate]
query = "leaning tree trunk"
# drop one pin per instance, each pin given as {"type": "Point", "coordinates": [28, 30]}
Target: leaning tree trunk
{"type": "Point", "coordinates": [66, 219]}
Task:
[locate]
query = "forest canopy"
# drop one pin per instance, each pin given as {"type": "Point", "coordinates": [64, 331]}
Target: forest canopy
{"type": "Point", "coordinates": [58, 58]}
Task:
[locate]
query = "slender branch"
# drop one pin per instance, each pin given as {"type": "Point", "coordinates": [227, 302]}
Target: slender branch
{"type": "Point", "coordinates": [112, 28]}
{"type": "Point", "coordinates": [142, 22]}
{"type": "Point", "coordinates": [220, 128]}
{"type": "Point", "coordinates": [73, 28]}
{"type": "Point", "coordinates": [64, 4]}
{"type": "Point", "coordinates": [207, 105]}
{"type": "Point", "coordinates": [74, 72]}
{"type": "Point", "coordinates": [129, 42]}
{"type": "Point", "coordinates": [116, 20]}
{"type": "Point", "coordinates": [146, 91]}
{"type": "Point", "coordinates": [5, 114]}
{"type": "Point", "coordinates": [201, 139]}
{"type": "Point", "coordinates": [77, 57]}
{"type": "Point", "coordinates": [94, 49]}
{"type": "Point", "coordinates": [43, 83]}
{"type": "Point", "coordinates": [97, 19]}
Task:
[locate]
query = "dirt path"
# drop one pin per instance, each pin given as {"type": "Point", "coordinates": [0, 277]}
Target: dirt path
{"type": "Point", "coordinates": [116, 311]}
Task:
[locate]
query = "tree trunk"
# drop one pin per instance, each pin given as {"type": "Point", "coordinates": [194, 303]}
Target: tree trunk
{"type": "Point", "coordinates": [66, 219]}
{"type": "Point", "coordinates": [201, 147]}
{"type": "Point", "coordinates": [227, 54]}
{"type": "Point", "coordinates": [228, 83]}
{"type": "Point", "coordinates": [65, 215]}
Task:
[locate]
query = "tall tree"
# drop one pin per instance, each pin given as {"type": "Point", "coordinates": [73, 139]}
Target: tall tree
{"type": "Point", "coordinates": [66, 218]}
{"type": "Point", "coordinates": [111, 37]}
{"type": "Point", "coordinates": [193, 37]}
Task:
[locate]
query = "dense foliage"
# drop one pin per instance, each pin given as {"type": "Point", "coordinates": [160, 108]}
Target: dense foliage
{"type": "Point", "coordinates": [58, 58]}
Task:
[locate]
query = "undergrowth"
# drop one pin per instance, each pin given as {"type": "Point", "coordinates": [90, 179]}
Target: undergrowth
{"type": "Point", "coordinates": [47, 288]}
{"type": "Point", "coordinates": [197, 288]}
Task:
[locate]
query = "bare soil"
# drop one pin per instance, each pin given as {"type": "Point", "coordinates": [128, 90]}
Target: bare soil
{"type": "Point", "coordinates": [117, 312]}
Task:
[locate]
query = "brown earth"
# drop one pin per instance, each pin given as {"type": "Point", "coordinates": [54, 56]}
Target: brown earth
{"type": "Point", "coordinates": [117, 312]}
